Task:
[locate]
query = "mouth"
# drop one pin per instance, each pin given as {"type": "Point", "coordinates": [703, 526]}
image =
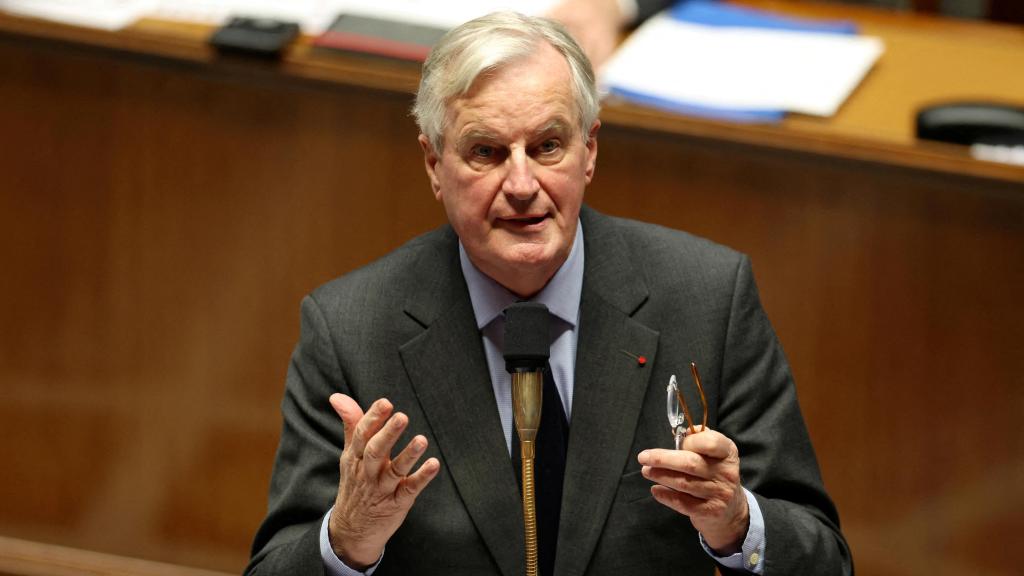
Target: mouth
{"type": "Point", "coordinates": [526, 220]}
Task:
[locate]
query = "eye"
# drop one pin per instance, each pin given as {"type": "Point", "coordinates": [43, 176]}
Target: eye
{"type": "Point", "coordinates": [549, 146]}
{"type": "Point", "coordinates": [482, 151]}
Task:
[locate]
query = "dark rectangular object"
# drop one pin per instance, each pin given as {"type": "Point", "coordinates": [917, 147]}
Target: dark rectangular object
{"type": "Point", "coordinates": [972, 123]}
{"type": "Point", "coordinates": [389, 38]}
{"type": "Point", "coordinates": [265, 37]}
{"type": "Point", "coordinates": [527, 336]}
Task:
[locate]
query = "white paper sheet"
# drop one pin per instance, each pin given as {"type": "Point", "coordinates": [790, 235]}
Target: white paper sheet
{"type": "Point", "coordinates": [741, 68]}
{"type": "Point", "coordinates": [104, 14]}
{"type": "Point", "coordinates": [441, 13]}
{"type": "Point", "coordinates": [315, 15]}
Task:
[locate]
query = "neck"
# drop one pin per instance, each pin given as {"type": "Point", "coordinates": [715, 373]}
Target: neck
{"type": "Point", "coordinates": [523, 283]}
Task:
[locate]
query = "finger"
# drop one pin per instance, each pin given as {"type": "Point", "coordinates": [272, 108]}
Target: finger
{"type": "Point", "coordinates": [377, 455]}
{"type": "Point", "coordinates": [369, 425]}
{"type": "Point", "coordinates": [411, 486]}
{"type": "Point", "coordinates": [710, 443]}
{"type": "Point", "coordinates": [685, 483]}
{"type": "Point", "coordinates": [683, 461]}
{"type": "Point", "coordinates": [349, 412]}
{"type": "Point", "coordinates": [402, 464]}
{"type": "Point", "coordinates": [678, 501]}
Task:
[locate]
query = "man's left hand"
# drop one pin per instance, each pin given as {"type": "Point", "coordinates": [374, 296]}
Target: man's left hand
{"type": "Point", "coordinates": [702, 481]}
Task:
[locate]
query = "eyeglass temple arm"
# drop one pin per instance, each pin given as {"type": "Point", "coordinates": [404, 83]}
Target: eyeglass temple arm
{"type": "Point", "coordinates": [703, 399]}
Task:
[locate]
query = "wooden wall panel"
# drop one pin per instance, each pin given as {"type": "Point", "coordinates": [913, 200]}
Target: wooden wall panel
{"type": "Point", "coordinates": [158, 227]}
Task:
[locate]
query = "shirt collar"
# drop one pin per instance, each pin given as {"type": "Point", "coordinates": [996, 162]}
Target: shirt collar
{"type": "Point", "coordinates": [561, 294]}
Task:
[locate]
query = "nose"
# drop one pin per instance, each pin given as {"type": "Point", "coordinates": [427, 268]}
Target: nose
{"type": "Point", "coordinates": [520, 182]}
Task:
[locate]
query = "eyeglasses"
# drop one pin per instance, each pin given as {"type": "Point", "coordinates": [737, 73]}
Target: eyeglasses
{"type": "Point", "coordinates": [682, 422]}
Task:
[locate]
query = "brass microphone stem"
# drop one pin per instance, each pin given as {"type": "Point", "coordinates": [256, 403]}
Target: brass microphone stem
{"type": "Point", "coordinates": [529, 511]}
{"type": "Point", "coordinates": [526, 407]}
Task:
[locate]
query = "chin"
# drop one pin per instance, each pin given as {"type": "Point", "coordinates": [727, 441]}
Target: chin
{"type": "Point", "coordinates": [533, 255]}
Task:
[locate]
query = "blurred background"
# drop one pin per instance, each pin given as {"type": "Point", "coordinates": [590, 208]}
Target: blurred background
{"type": "Point", "coordinates": [164, 206]}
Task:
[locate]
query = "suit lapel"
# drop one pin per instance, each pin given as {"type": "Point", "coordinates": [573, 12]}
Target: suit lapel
{"type": "Point", "coordinates": [608, 392]}
{"type": "Point", "coordinates": [448, 371]}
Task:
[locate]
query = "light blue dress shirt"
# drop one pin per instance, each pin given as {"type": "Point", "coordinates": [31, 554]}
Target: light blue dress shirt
{"type": "Point", "coordinates": [562, 297]}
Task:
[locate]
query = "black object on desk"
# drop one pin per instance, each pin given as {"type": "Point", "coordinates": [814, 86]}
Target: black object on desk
{"type": "Point", "coordinates": [264, 37]}
{"type": "Point", "coordinates": [972, 123]}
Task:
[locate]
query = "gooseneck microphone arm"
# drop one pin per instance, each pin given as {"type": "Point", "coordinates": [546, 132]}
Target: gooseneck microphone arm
{"type": "Point", "coordinates": [527, 337]}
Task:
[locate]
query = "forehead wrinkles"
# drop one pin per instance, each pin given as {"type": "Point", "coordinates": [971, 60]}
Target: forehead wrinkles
{"type": "Point", "coordinates": [518, 97]}
{"type": "Point", "coordinates": [502, 118]}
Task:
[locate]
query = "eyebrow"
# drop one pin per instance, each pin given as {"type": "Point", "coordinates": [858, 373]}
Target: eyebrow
{"type": "Point", "coordinates": [554, 125]}
{"type": "Point", "coordinates": [474, 135]}
{"type": "Point", "coordinates": [557, 124]}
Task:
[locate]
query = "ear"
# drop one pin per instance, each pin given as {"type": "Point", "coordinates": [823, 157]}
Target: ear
{"type": "Point", "coordinates": [430, 160]}
{"type": "Point", "coordinates": [592, 151]}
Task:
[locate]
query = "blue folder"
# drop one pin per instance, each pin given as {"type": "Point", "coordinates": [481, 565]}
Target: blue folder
{"type": "Point", "coordinates": [714, 13]}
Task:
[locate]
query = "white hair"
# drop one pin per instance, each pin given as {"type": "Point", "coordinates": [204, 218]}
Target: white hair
{"type": "Point", "coordinates": [485, 45]}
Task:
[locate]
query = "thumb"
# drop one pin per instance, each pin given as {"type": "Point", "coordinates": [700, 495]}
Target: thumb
{"type": "Point", "coordinates": [349, 412]}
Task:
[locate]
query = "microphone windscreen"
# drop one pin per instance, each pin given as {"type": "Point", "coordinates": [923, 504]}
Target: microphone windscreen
{"type": "Point", "coordinates": [527, 336]}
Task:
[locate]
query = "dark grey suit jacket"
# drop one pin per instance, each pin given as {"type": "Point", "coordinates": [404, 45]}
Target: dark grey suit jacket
{"type": "Point", "coordinates": [403, 328]}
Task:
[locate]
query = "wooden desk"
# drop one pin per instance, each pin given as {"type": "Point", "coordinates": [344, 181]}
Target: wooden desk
{"type": "Point", "coordinates": [25, 558]}
{"type": "Point", "coordinates": [163, 210]}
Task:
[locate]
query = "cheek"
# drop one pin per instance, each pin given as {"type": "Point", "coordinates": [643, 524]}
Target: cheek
{"type": "Point", "coordinates": [469, 198]}
{"type": "Point", "coordinates": [479, 191]}
{"type": "Point", "coordinates": [565, 188]}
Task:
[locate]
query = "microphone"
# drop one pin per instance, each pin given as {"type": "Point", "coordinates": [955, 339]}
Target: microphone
{"type": "Point", "coordinates": [527, 337]}
{"type": "Point", "coordinates": [527, 333]}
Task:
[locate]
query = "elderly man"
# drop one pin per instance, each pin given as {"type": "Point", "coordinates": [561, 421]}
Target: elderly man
{"type": "Point", "coordinates": [408, 353]}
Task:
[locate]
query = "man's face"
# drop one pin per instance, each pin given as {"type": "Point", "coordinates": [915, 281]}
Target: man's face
{"type": "Point", "coordinates": [513, 169]}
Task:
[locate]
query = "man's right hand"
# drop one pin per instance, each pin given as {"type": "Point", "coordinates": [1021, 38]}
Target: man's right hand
{"type": "Point", "coordinates": [375, 492]}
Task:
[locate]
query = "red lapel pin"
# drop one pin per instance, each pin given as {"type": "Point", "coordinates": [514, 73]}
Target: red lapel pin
{"type": "Point", "coordinates": [641, 360]}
